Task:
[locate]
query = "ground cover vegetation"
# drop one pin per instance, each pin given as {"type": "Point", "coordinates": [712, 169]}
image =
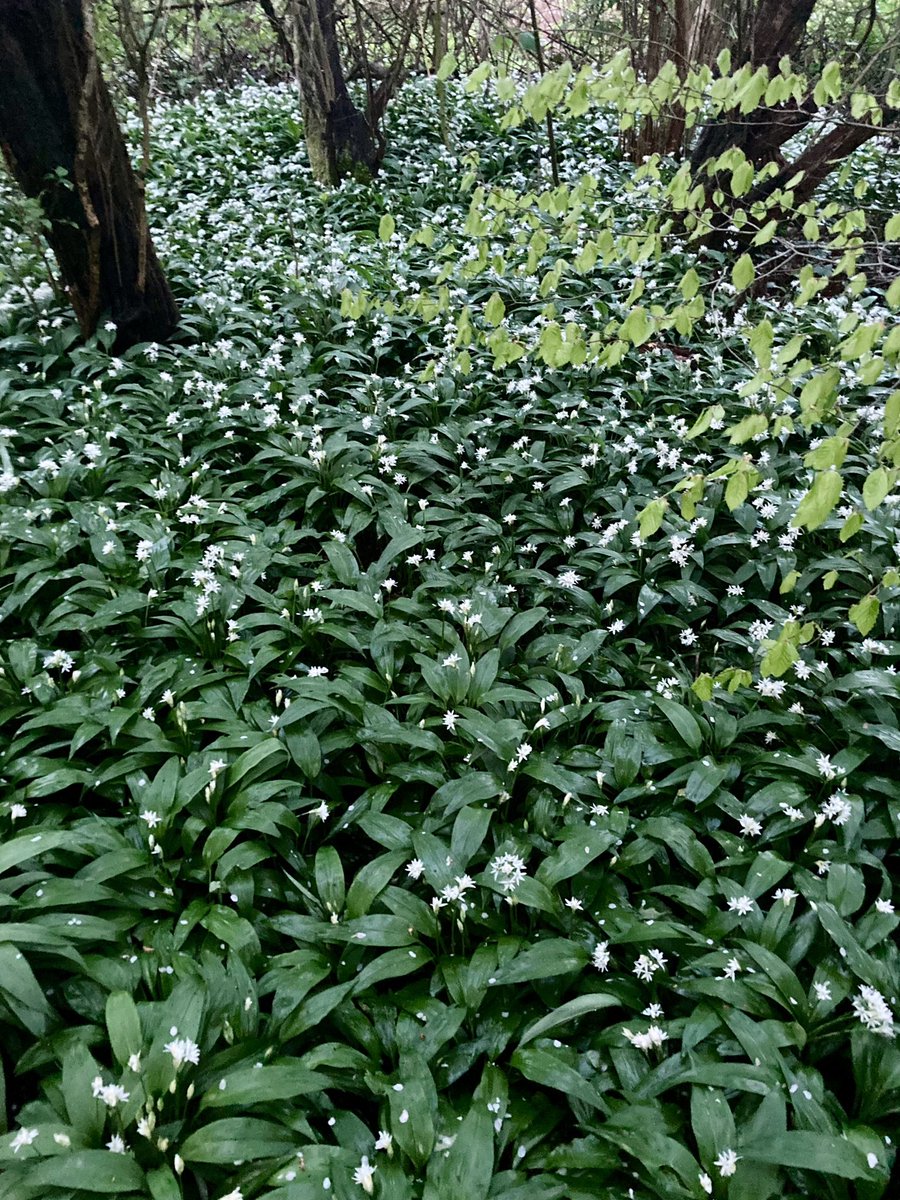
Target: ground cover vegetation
{"type": "Point", "coordinates": [449, 695]}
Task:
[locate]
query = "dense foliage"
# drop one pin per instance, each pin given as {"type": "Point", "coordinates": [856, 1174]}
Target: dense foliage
{"type": "Point", "coordinates": [413, 781]}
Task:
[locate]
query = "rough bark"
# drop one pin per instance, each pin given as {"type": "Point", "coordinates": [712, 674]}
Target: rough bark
{"type": "Point", "coordinates": [62, 142]}
{"type": "Point", "coordinates": [777, 30]}
{"type": "Point", "coordinates": [339, 138]}
{"type": "Point", "coordinates": [819, 159]}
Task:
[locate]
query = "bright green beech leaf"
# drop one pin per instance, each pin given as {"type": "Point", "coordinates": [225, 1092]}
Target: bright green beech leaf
{"type": "Point", "coordinates": [819, 501]}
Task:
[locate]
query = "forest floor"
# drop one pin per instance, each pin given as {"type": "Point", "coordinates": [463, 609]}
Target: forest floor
{"type": "Point", "coordinates": [380, 809]}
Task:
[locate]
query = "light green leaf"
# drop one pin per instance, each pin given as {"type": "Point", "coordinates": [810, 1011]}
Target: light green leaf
{"type": "Point", "coordinates": [743, 272]}
{"type": "Point", "coordinates": [864, 614]}
{"type": "Point", "coordinates": [819, 501]}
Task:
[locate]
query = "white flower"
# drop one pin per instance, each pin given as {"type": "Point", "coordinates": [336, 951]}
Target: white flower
{"type": "Point", "coordinates": [183, 1050]}
{"type": "Point", "coordinates": [116, 1144]}
{"type": "Point", "coordinates": [773, 688]}
{"type": "Point", "coordinates": [837, 808]}
{"type": "Point", "coordinates": [59, 659]}
{"type": "Point", "coordinates": [384, 1141]}
{"type": "Point", "coordinates": [600, 957]}
{"type": "Point", "coordinates": [706, 1183]}
{"type": "Point", "coordinates": [654, 1036]}
{"type": "Point", "coordinates": [508, 870]}
{"type": "Point", "coordinates": [23, 1138]}
{"type": "Point", "coordinates": [647, 964]}
{"type": "Point", "coordinates": [750, 827]}
{"type": "Point", "coordinates": [449, 719]}
{"type": "Point", "coordinates": [825, 767]}
{"type": "Point", "coordinates": [742, 905]}
{"type": "Point", "coordinates": [134, 1062]}
{"type": "Point", "coordinates": [823, 991]}
{"type": "Point", "coordinates": [237, 1194]}
{"type": "Point", "coordinates": [415, 868]}
{"type": "Point", "coordinates": [16, 811]}
{"type": "Point", "coordinates": [110, 1093]}
{"type": "Point", "coordinates": [785, 895]}
{"type": "Point", "coordinates": [569, 579]}
{"type": "Point", "coordinates": [152, 818]}
{"type": "Point", "coordinates": [727, 1163]}
{"type": "Point", "coordinates": [873, 1010]}
{"type": "Point", "coordinates": [363, 1176]}
{"type": "Point", "coordinates": [884, 906]}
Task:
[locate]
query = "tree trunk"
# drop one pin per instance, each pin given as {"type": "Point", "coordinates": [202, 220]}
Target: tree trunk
{"type": "Point", "coordinates": [61, 140]}
{"type": "Point", "coordinates": [818, 160]}
{"type": "Point", "coordinates": [339, 139]}
{"type": "Point", "coordinates": [777, 30]}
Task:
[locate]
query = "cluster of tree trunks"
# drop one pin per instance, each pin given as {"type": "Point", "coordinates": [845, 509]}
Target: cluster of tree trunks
{"type": "Point", "coordinates": [61, 140]}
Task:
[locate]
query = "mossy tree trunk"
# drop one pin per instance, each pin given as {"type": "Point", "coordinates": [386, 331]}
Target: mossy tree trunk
{"type": "Point", "coordinates": [62, 143]}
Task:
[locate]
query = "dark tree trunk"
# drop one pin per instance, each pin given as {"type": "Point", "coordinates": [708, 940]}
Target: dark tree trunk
{"type": "Point", "coordinates": [61, 140]}
{"type": "Point", "coordinates": [339, 138]}
{"type": "Point", "coordinates": [818, 160]}
{"type": "Point", "coordinates": [777, 30]}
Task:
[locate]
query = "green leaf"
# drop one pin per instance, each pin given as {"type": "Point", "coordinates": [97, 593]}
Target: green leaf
{"type": "Point", "coordinates": [553, 956]}
{"type": "Point", "coordinates": [864, 614]}
{"type": "Point", "coordinates": [892, 229]}
{"type": "Point", "coordinates": [163, 1184]}
{"type": "Point", "coordinates": [637, 326]}
{"type": "Point", "coordinates": [528, 41]}
{"type": "Point", "coordinates": [370, 881]}
{"type": "Point", "coordinates": [447, 66]}
{"type": "Point", "coordinates": [330, 878]}
{"type": "Point", "coordinates": [20, 849]}
{"type": "Point", "coordinates": [810, 1152]}
{"type": "Point", "coordinates": [124, 1026]}
{"type": "Point", "coordinates": [413, 1108]}
{"type": "Point", "coordinates": [548, 1068]}
{"type": "Point", "coordinates": [21, 991]}
{"type": "Point", "coordinates": [650, 518]}
{"type": "Point", "coordinates": [749, 427]}
{"type": "Point", "coordinates": [237, 1138]}
{"type": "Point", "coordinates": [259, 1085]}
{"type": "Point", "coordinates": [878, 484]}
{"type": "Point", "coordinates": [683, 721]}
{"type": "Point", "coordinates": [743, 272]}
{"type": "Point", "coordinates": [386, 227]}
{"type": "Point", "coordinates": [712, 1122]}
{"type": "Point", "coordinates": [93, 1171]}
{"type": "Point", "coordinates": [494, 309]}
{"type": "Point", "coordinates": [819, 501]}
{"type": "Point", "coordinates": [569, 1011]}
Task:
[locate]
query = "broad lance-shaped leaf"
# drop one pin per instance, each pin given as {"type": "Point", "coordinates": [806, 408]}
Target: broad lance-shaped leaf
{"type": "Point", "coordinates": [811, 1152]}
{"type": "Point", "coordinates": [124, 1026]}
{"type": "Point", "coordinates": [568, 1012]}
{"type": "Point", "coordinates": [90, 1171]}
{"type": "Point", "coordinates": [818, 503]}
{"type": "Point", "coordinates": [236, 1138]}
